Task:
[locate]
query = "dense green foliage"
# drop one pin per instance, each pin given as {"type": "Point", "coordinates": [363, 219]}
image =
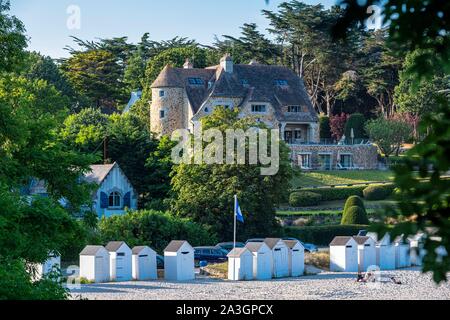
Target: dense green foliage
{"type": "Point", "coordinates": [322, 235]}
{"type": "Point", "coordinates": [353, 201]}
{"type": "Point", "coordinates": [341, 193]}
{"type": "Point", "coordinates": [155, 229]}
{"type": "Point", "coordinates": [354, 215]}
{"type": "Point", "coordinates": [325, 128]}
{"type": "Point", "coordinates": [373, 193]}
{"type": "Point", "coordinates": [356, 122]}
{"type": "Point", "coordinates": [304, 199]}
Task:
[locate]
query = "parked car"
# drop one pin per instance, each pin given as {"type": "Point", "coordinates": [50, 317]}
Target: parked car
{"type": "Point", "coordinates": [228, 246]}
{"type": "Point", "coordinates": [210, 254]}
{"type": "Point", "coordinates": [159, 261]}
{"type": "Point", "coordinates": [255, 240]}
{"type": "Point", "coordinates": [362, 233]}
{"type": "Point", "coordinates": [309, 247]}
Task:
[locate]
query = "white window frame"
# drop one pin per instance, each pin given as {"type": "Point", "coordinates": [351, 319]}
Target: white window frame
{"type": "Point", "coordinates": [351, 158]}
{"type": "Point", "coordinates": [164, 113]}
{"type": "Point", "coordinates": [330, 154]}
{"type": "Point", "coordinates": [259, 105]}
{"type": "Point", "coordinates": [162, 94]}
{"type": "Point", "coordinates": [113, 207]}
{"type": "Point", "coordinates": [300, 162]}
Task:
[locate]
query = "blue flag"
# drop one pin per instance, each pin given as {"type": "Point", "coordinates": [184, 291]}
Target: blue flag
{"type": "Point", "coordinates": [239, 215]}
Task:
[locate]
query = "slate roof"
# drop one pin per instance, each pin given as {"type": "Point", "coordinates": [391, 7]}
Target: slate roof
{"type": "Point", "coordinates": [271, 242]}
{"type": "Point", "coordinates": [113, 246]}
{"type": "Point", "coordinates": [237, 252]}
{"type": "Point", "coordinates": [260, 86]}
{"type": "Point", "coordinates": [174, 246]}
{"type": "Point", "coordinates": [91, 250]}
{"type": "Point", "coordinates": [98, 173]}
{"type": "Point", "coordinates": [340, 241]}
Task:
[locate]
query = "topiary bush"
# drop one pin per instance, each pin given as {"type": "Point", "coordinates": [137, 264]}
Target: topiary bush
{"type": "Point", "coordinates": [373, 193]}
{"type": "Point", "coordinates": [355, 122]}
{"type": "Point", "coordinates": [322, 235]}
{"type": "Point", "coordinates": [354, 201]}
{"type": "Point", "coordinates": [338, 193]}
{"type": "Point", "coordinates": [354, 215]}
{"type": "Point", "coordinates": [304, 199]}
{"type": "Point", "coordinates": [325, 129]}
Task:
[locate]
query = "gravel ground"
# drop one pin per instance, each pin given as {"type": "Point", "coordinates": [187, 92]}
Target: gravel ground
{"type": "Point", "coordinates": [325, 285]}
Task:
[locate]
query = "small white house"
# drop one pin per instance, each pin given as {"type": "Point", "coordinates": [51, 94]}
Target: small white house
{"type": "Point", "coordinates": [94, 264]}
{"type": "Point", "coordinates": [43, 269]}
{"type": "Point", "coordinates": [417, 251]}
{"type": "Point", "coordinates": [344, 254]}
{"type": "Point", "coordinates": [280, 257]}
{"type": "Point", "coordinates": [296, 258]}
{"type": "Point", "coordinates": [385, 253]}
{"type": "Point", "coordinates": [179, 261]}
{"type": "Point", "coordinates": [262, 260]}
{"type": "Point", "coordinates": [240, 264]}
{"type": "Point", "coordinates": [402, 248]}
{"type": "Point", "coordinates": [144, 264]}
{"type": "Point", "coordinates": [367, 253]}
{"type": "Point", "coordinates": [120, 261]}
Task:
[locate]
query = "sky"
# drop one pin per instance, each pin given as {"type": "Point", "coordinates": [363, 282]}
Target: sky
{"type": "Point", "coordinates": [50, 23]}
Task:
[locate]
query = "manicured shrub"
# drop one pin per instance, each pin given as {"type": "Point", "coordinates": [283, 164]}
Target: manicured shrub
{"type": "Point", "coordinates": [355, 122]}
{"type": "Point", "coordinates": [340, 193]}
{"type": "Point", "coordinates": [354, 215]}
{"type": "Point", "coordinates": [322, 235]}
{"type": "Point", "coordinates": [354, 201]}
{"type": "Point", "coordinates": [382, 192]}
{"type": "Point", "coordinates": [325, 129]}
{"type": "Point", "coordinates": [304, 199]}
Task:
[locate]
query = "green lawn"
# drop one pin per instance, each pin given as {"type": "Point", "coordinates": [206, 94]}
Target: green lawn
{"type": "Point", "coordinates": [326, 178]}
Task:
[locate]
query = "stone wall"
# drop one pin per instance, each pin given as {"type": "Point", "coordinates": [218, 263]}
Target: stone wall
{"type": "Point", "coordinates": [175, 106]}
{"type": "Point", "coordinates": [364, 156]}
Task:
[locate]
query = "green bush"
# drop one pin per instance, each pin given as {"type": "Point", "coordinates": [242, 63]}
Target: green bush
{"type": "Point", "coordinates": [354, 201]}
{"type": "Point", "coordinates": [325, 129]}
{"type": "Point", "coordinates": [381, 192]}
{"type": "Point", "coordinates": [354, 215]}
{"type": "Point", "coordinates": [322, 235]}
{"type": "Point", "coordinates": [355, 122]}
{"type": "Point", "coordinates": [340, 193]}
{"type": "Point", "coordinates": [304, 199]}
{"type": "Point", "coordinates": [154, 229]}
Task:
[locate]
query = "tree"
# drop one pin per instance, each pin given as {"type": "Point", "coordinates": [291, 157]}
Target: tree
{"type": "Point", "coordinates": [356, 123]}
{"type": "Point", "coordinates": [325, 128]}
{"type": "Point", "coordinates": [96, 75]}
{"type": "Point", "coordinates": [388, 134]}
{"type": "Point", "coordinates": [337, 125]}
{"type": "Point", "coordinates": [12, 39]}
{"type": "Point", "coordinates": [205, 192]}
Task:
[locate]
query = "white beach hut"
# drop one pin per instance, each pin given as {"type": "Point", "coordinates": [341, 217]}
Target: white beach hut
{"type": "Point", "coordinates": [385, 253]}
{"type": "Point", "coordinates": [280, 257]}
{"type": "Point", "coordinates": [144, 264]}
{"type": "Point", "coordinates": [262, 260]}
{"type": "Point", "coordinates": [417, 252]}
{"type": "Point", "coordinates": [296, 258]}
{"type": "Point", "coordinates": [240, 264]}
{"type": "Point", "coordinates": [344, 254]}
{"type": "Point", "coordinates": [94, 264]}
{"type": "Point", "coordinates": [43, 269]}
{"type": "Point", "coordinates": [120, 261]}
{"type": "Point", "coordinates": [179, 261]}
{"type": "Point", "coordinates": [402, 248]}
{"type": "Point", "coordinates": [367, 253]}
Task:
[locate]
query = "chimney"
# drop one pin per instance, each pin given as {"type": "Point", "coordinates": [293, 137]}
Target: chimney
{"type": "Point", "coordinates": [188, 64]}
{"type": "Point", "coordinates": [227, 63]}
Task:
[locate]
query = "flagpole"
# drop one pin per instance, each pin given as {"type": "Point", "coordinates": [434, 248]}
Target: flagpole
{"type": "Point", "coordinates": [235, 217]}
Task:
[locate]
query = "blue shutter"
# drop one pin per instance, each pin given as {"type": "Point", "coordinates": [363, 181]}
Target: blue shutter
{"type": "Point", "coordinates": [127, 200]}
{"type": "Point", "coordinates": [104, 200]}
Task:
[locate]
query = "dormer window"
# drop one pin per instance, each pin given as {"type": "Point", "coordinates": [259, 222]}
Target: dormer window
{"type": "Point", "coordinates": [162, 93]}
{"type": "Point", "coordinates": [281, 82]}
{"type": "Point", "coordinates": [294, 109]}
{"type": "Point", "coordinates": [259, 108]}
{"type": "Point", "coordinates": [195, 81]}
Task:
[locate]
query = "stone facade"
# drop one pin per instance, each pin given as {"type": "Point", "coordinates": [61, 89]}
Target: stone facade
{"type": "Point", "coordinates": [362, 156]}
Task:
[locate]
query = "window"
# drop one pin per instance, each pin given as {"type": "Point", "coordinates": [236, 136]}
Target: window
{"type": "Point", "coordinates": [244, 82]}
{"type": "Point", "coordinates": [298, 134]}
{"type": "Point", "coordinates": [294, 109]}
{"type": "Point", "coordinates": [325, 161]}
{"type": "Point", "coordinates": [281, 82]}
{"type": "Point", "coordinates": [162, 93]}
{"type": "Point", "coordinates": [114, 200]}
{"type": "Point", "coordinates": [195, 81]}
{"type": "Point", "coordinates": [206, 110]}
{"type": "Point", "coordinates": [305, 160]}
{"type": "Point", "coordinates": [259, 108]}
{"type": "Point", "coordinates": [346, 160]}
{"type": "Point", "coordinates": [162, 114]}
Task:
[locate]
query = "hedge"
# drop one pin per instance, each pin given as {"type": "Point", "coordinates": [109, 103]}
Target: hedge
{"type": "Point", "coordinates": [379, 192]}
{"type": "Point", "coordinates": [354, 215]}
{"type": "Point", "coordinates": [323, 235]}
{"type": "Point", "coordinates": [304, 199]}
{"type": "Point", "coordinates": [339, 193]}
{"type": "Point", "coordinates": [354, 201]}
